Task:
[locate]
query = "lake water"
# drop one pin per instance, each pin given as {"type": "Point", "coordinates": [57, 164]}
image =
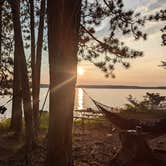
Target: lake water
{"type": "Point", "coordinates": [111, 97]}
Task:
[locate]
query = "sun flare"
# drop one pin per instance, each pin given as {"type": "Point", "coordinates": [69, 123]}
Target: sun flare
{"type": "Point", "coordinates": [80, 71]}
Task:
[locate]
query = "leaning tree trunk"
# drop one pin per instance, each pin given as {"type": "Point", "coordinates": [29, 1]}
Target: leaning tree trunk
{"type": "Point", "coordinates": [37, 71]}
{"type": "Point", "coordinates": [15, 5]}
{"type": "Point", "coordinates": [63, 27]}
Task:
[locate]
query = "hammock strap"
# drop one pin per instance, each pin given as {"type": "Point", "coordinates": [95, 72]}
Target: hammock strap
{"type": "Point", "coordinates": [97, 104]}
{"type": "Point", "coordinates": [94, 101]}
{"type": "Point", "coordinates": [42, 109]}
{"type": "Point", "coordinates": [11, 98]}
{"type": "Point", "coordinates": [88, 95]}
{"type": "Point", "coordinates": [7, 102]}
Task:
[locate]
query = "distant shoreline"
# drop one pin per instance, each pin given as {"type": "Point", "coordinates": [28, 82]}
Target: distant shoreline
{"type": "Point", "coordinates": [119, 87]}
{"type": "Point", "coordinates": [113, 87]}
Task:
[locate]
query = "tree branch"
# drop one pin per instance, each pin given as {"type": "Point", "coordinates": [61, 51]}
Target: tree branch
{"type": "Point", "coordinates": [116, 52]}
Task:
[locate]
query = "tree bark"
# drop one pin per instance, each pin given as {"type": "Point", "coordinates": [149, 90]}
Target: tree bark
{"type": "Point", "coordinates": [16, 118]}
{"type": "Point", "coordinates": [32, 25]}
{"type": "Point", "coordinates": [26, 96]}
{"type": "Point", "coordinates": [1, 4]}
{"type": "Point", "coordinates": [33, 54]}
{"type": "Point", "coordinates": [38, 68]}
{"type": "Point", "coordinates": [33, 61]}
{"type": "Point", "coordinates": [0, 32]}
{"type": "Point", "coordinates": [63, 28]}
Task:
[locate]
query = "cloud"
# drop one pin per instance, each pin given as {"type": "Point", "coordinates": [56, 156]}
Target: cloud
{"type": "Point", "coordinates": [143, 9]}
{"type": "Point", "coordinates": [151, 28]}
{"type": "Point", "coordinates": [151, 6]}
{"type": "Point", "coordinates": [145, 6]}
{"type": "Point", "coordinates": [157, 4]}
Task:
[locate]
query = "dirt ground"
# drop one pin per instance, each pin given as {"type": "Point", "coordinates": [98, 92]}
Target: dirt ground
{"type": "Point", "coordinates": [94, 144]}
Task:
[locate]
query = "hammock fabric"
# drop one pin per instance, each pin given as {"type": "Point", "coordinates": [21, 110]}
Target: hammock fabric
{"type": "Point", "coordinates": [117, 120]}
{"type": "Point", "coordinates": [129, 124]}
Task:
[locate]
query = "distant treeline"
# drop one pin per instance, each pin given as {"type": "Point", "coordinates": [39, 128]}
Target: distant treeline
{"type": "Point", "coordinates": [120, 87]}
{"type": "Point", "coordinates": [112, 86]}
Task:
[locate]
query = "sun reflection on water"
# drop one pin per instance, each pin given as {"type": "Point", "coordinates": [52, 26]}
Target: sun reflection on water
{"type": "Point", "coordinates": [80, 99]}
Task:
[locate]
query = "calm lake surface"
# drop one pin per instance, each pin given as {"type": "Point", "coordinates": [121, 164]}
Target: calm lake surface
{"type": "Point", "coordinates": [111, 97]}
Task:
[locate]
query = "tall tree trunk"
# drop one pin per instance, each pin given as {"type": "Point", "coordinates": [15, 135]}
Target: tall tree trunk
{"type": "Point", "coordinates": [63, 27]}
{"type": "Point", "coordinates": [38, 67]}
{"type": "Point", "coordinates": [33, 61]}
{"type": "Point", "coordinates": [16, 118]}
{"type": "Point", "coordinates": [32, 25]}
{"type": "Point", "coordinates": [19, 49]}
{"type": "Point", "coordinates": [0, 32]}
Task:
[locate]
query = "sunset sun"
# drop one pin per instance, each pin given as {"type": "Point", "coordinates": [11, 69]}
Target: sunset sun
{"type": "Point", "coordinates": [80, 71]}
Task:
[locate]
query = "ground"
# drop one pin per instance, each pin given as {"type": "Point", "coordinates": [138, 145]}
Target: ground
{"type": "Point", "coordinates": [95, 143]}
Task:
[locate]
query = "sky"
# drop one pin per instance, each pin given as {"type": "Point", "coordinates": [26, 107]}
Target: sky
{"type": "Point", "coordinates": [144, 71]}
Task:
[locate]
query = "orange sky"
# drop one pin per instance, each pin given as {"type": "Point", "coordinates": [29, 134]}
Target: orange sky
{"type": "Point", "coordinates": [145, 70]}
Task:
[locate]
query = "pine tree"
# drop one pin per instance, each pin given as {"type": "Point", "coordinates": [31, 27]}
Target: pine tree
{"type": "Point", "coordinates": [71, 32]}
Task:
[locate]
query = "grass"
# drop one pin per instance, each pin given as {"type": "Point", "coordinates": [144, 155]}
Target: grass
{"type": "Point", "coordinates": [44, 121]}
{"type": "Point", "coordinates": [4, 124]}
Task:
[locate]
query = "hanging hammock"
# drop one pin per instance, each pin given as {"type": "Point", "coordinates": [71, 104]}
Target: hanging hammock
{"type": "Point", "coordinates": [128, 124]}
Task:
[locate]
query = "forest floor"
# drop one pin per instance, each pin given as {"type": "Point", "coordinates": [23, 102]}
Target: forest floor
{"type": "Point", "coordinates": [95, 143]}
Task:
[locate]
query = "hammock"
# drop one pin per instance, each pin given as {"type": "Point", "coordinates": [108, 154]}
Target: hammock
{"type": "Point", "coordinates": [128, 124]}
{"type": "Point", "coordinates": [115, 118]}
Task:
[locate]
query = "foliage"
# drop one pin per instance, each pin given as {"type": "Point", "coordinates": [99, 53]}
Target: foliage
{"type": "Point", "coordinates": [104, 52]}
{"type": "Point", "coordinates": [150, 102]}
{"type": "Point", "coordinates": [6, 50]}
{"type": "Point", "coordinates": [107, 50]}
{"type": "Point", "coordinates": [7, 43]}
{"type": "Point", "coordinates": [160, 16]}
